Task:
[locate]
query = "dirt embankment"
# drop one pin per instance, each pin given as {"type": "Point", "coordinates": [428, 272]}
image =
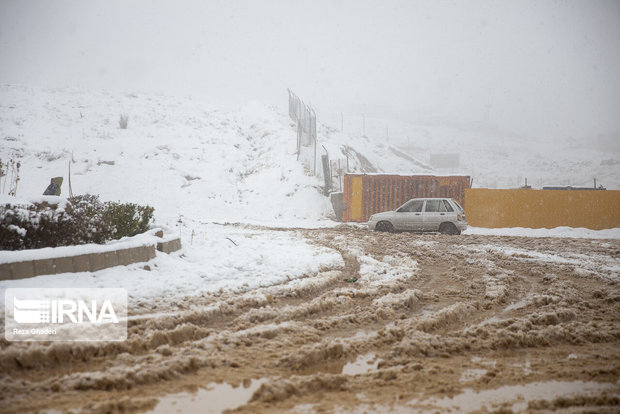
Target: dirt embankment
{"type": "Point", "coordinates": [411, 322]}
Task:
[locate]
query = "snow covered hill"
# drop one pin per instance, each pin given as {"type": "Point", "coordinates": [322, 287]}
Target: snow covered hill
{"type": "Point", "coordinates": [185, 158]}
{"type": "Point", "coordinates": [492, 157]}
{"type": "Point", "coordinates": [194, 161]}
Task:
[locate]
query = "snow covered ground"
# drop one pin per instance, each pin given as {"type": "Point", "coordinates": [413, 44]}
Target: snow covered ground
{"type": "Point", "coordinates": [570, 232]}
{"type": "Point", "coordinates": [194, 163]}
{"type": "Point", "coordinates": [216, 259]}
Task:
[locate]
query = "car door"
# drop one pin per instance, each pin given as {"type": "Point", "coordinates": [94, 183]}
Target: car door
{"type": "Point", "coordinates": [451, 213]}
{"type": "Point", "coordinates": [409, 216]}
{"type": "Point", "coordinates": [434, 214]}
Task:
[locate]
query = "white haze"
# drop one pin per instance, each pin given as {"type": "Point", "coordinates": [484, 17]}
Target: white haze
{"type": "Point", "coordinates": [546, 69]}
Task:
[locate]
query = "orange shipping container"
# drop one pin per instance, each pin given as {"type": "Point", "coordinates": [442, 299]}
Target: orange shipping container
{"type": "Point", "coordinates": [365, 194]}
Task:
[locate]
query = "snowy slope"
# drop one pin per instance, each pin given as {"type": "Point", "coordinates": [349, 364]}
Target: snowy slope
{"type": "Point", "coordinates": [370, 156]}
{"type": "Point", "coordinates": [493, 158]}
{"type": "Point", "coordinates": [185, 158]}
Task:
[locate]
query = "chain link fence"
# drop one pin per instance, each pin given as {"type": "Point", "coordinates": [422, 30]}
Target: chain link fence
{"type": "Point", "coordinates": [305, 119]}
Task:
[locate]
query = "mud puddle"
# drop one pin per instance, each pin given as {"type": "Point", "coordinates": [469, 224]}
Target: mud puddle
{"type": "Point", "coordinates": [472, 374]}
{"type": "Point", "coordinates": [359, 335]}
{"type": "Point", "coordinates": [515, 397]}
{"type": "Point", "coordinates": [213, 399]}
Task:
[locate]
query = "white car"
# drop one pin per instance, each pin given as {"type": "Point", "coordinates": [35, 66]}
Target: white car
{"type": "Point", "coordinates": [442, 215]}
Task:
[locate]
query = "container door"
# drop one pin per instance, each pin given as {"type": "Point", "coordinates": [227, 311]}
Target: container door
{"type": "Point", "coordinates": [356, 199]}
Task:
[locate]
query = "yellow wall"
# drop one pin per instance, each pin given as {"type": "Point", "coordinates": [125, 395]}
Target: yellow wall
{"type": "Point", "coordinates": [595, 210]}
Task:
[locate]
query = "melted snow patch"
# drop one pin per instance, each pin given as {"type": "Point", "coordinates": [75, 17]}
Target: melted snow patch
{"type": "Point", "coordinates": [580, 233]}
{"type": "Point", "coordinates": [362, 365]}
{"type": "Point", "coordinates": [391, 268]}
{"type": "Point", "coordinates": [517, 396]}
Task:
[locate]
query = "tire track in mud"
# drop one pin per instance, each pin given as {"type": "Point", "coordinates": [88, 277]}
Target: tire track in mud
{"type": "Point", "coordinates": [434, 314]}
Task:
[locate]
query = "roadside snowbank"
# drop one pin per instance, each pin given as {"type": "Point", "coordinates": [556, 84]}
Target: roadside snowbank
{"type": "Point", "coordinates": [562, 232]}
{"type": "Point", "coordinates": [219, 259]}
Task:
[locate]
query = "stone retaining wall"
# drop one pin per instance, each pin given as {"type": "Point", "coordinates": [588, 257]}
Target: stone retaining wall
{"type": "Point", "coordinates": [85, 262]}
{"type": "Point", "coordinates": [169, 246]}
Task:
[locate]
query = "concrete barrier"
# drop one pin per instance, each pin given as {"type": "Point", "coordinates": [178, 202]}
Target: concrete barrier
{"type": "Point", "coordinates": [111, 259]}
{"type": "Point", "coordinates": [86, 262]}
{"type": "Point", "coordinates": [169, 246]}
{"type": "Point", "coordinates": [81, 263]}
{"type": "Point", "coordinates": [44, 267]}
{"type": "Point", "coordinates": [596, 210]}
{"type": "Point", "coordinates": [16, 270]}
{"type": "Point", "coordinates": [63, 264]}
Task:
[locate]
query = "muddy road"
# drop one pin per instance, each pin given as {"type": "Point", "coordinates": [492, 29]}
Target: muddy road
{"type": "Point", "coordinates": [411, 323]}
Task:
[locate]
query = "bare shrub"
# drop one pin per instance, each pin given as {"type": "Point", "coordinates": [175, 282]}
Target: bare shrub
{"type": "Point", "coordinates": [10, 172]}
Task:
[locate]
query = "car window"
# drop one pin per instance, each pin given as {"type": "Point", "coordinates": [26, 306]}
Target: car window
{"type": "Point", "coordinates": [413, 206]}
{"type": "Point", "coordinates": [448, 206]}
{"type": "Point", "coordinates": [435, 206]}
{"type": "Point", "coordinates": [458, 206]}
{"type": "Point", "coordinates": [405, 207]}
{"type": "Point", "coordinates": [416, 206]}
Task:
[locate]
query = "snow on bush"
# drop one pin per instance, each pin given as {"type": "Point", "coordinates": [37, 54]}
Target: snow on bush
{"type": "Point", "coordinates": [53, 222]}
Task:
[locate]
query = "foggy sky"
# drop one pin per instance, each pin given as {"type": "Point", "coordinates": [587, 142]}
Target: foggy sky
{"type": "Point", "coordinates": [544, 68]}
